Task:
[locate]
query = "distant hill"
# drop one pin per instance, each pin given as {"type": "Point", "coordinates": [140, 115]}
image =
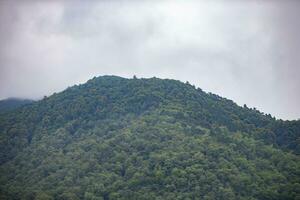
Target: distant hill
{"type": "Point", "coordinates": [13, 103]}
{"type": "Point", "coordinates": [117, 138]}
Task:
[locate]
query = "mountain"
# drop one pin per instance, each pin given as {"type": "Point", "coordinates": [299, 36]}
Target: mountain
{"type": "Point", "coordinates": [13, 103]}
{"type": "Point", "coordinates": [117, 138]}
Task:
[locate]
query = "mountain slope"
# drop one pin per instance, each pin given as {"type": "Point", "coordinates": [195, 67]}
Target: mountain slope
{"type": "Point", "coordinates": [116, 138]}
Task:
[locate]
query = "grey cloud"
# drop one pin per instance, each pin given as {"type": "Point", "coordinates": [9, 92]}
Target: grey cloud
{"type": "Point", "coordinates": [245, 51]}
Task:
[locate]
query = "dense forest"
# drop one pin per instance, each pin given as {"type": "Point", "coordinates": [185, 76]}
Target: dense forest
{"type": "Point", "coordinates": [116, 138]}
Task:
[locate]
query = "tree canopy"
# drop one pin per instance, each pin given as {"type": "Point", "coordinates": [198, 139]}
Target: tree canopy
{"type": "Point", "coordinates": [117, 138]}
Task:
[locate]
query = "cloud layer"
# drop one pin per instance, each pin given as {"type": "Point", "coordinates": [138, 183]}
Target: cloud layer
{"type": "Point", "coordinates": [242, 50]}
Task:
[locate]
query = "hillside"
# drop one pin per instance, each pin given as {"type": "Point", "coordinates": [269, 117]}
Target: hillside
{"type": "Point", "coordinates": [117, 138]}
{"type": "Point", "coordinates": [13, 103]}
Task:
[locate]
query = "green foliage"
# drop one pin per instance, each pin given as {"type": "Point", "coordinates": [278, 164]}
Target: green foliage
{"type": "Point", "coordinates": [116, 138]}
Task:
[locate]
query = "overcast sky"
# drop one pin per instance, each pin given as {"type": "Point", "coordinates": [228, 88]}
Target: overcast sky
{"type": "Point", "coordinates": [247, 51]}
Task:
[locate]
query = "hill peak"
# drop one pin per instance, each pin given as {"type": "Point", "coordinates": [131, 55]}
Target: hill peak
{"type": "Point", "coordinates": [120, 138]}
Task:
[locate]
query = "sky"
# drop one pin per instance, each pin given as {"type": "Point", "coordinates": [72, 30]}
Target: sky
{"type": "Point", "coordinates": [247, 51]}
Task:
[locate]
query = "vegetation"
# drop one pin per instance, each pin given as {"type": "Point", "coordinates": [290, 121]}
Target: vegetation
{"type": "Point", "coordinates": [13, 103]}
{"type": "Point", "coordinates": [117, 138]}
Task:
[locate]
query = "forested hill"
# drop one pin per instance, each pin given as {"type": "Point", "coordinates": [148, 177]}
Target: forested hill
{"type": "Point", "coordinates": [117, 138]}
{"type": "Point", "coordinates": [13, 103]}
